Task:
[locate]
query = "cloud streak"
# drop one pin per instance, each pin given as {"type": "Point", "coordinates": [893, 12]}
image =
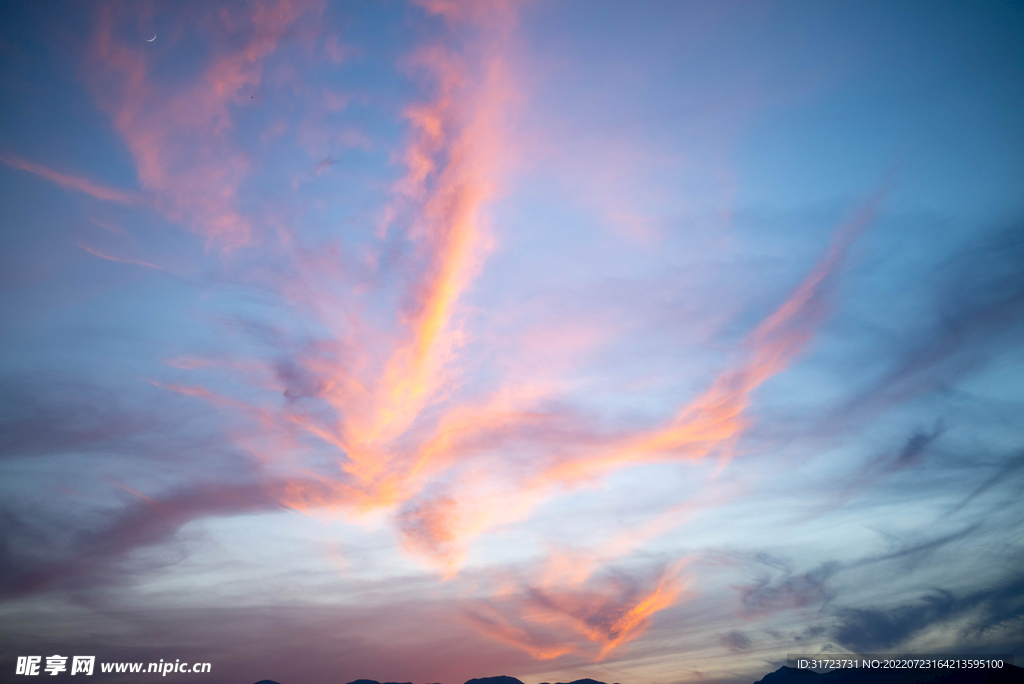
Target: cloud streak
{"type": "Point", "coordinates": [75, 183]}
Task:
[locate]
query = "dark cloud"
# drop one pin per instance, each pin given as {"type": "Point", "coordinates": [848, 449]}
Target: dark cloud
{"type": "Point", "coordinates": [882, 466]}
{"type": "Point", "coordinates": [911, 454]}
{"type": "Point", "coordinates": [788, 591]}
{"type": "Point", "coordinates": [913, 451]}
{"type": "Point", "coordinates": [962, 316]}
{"type": "Point", "coordinates": [914, 552]}
{"type": "Point", "coordinates": [298, 382]}
{"type": "Point", "coordinates": [97, 474]}
{"type": "Point", "coordinates": [325, 164]}
{"type": "Point", "coordinates": [977, 313]}
{"type": "Point", "coordinates": [73, 415]}
{"type": "Point", "coordinates": [737, 642]}
{"type": "Point", "coordinates": [91, 550]}
{"type": "Point", "coordinates": [872, 630]}
{"type": "Point", "coordinates": [1012, 468]}
{"type": "Point", "coordinates": [976, 613]}
{"type": "Point", "coordinates": [811, 633]}
{"type": "Point", "coordinates": [44, 415]}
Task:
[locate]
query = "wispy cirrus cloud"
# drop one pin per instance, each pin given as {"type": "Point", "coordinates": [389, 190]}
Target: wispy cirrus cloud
{"type": "Point", "coordinates": [709, 424]}
{"type": "Point", "coordinates": [76, 183]}
{"type": "Point", "coordinates": [181, 137]}
{"type": "Point", "coordinates": [110, 257]}
{"type": "Point", "coordinates": [550, 621]}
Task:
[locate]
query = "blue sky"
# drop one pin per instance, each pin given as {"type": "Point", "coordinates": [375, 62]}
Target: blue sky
{"type": "Point", "coordinates": [434, 340]}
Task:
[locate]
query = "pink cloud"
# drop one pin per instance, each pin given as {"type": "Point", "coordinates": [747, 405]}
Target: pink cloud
{"type": "Point", "coordinates": [74, 182]}
{"type": "Point", "coordinates": [181, 137]}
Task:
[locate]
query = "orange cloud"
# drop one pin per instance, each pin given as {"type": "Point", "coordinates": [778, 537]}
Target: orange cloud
{"type": "Point", "coordinates": [386, 403]}
{"type": "Point", "coordinates": [454, 157]}
{"type": "Point", "coordinates": [714, 420]}
{"type": "Point", "coordinates": [499, 493]}
{"type": "Point", "coordinates": [452, 481]}
{"type": "Point", "coordinates": [495, 625]}
{"type": "Point", "coordinates": [554, 621]}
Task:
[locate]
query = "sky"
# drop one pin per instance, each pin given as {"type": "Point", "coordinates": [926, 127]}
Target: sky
{"type": "Point", "coordinates": [421, 341]}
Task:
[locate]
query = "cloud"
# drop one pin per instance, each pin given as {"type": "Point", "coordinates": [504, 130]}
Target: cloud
{"type": "Point", "coordinates": [787, 592]}
{"type": "Point", "coordinates": [998, 608]}
{"type": "Point", "coordinates": [737, 642]}
{"type": "Point", "coordinates": [500, 12]}
{"type": "Point", "coordinates": [873, 630]}
{"type": "Point", "coordinates": [75, 183]}
{"type": "Point", "coordinates": [1011, 468]}
{"type": "Point", "coordinates": [476, 429]}
{"type": "Point", "coordinates": [713, 421]}
{"type": "Point", "coordinates": [976, 313]}
{"type": "Point", "coordinates": [917, 552]}
{"type": "Point", "coordinates": [367, 408]}
{"type": "Point", "coordinates": [98, 473]}
{"type": "Point", "coordinates": [180, 137]}
{"type": "Point", "coordinates": [552, 621]}
{"type": "Point", "coordinates": [41, 415]}
{"type": "Point", "coordinates": [326, 639]}
{"type": "Point", "coordinates": [93, 552]}
{"type": "Point", "coordinates": [882, 466]}
{"type": "Point", "coordinates": [382, 402]}
{"type": "Point", "coordinates": [495, 625]}
{"type": "Point", "coordinates": [122, 260]}
{"type": "Point", "coordinates": [579, 451]}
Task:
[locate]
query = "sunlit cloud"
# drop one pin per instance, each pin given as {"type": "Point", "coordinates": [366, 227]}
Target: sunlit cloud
{"type": "Point", "coordinates": [496, 337]}
{"type": "Point", "coordinates": [199, 183]}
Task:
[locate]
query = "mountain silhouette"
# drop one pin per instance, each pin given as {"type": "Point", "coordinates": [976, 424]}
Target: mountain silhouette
{"type": "Point", "coordinates": [502, 679]}
{"type": "Point", "coordinates": [1009, 674]}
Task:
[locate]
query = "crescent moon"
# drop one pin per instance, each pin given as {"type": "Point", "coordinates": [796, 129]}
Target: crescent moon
{"type": "Point", "coordinates": [150, 40]}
